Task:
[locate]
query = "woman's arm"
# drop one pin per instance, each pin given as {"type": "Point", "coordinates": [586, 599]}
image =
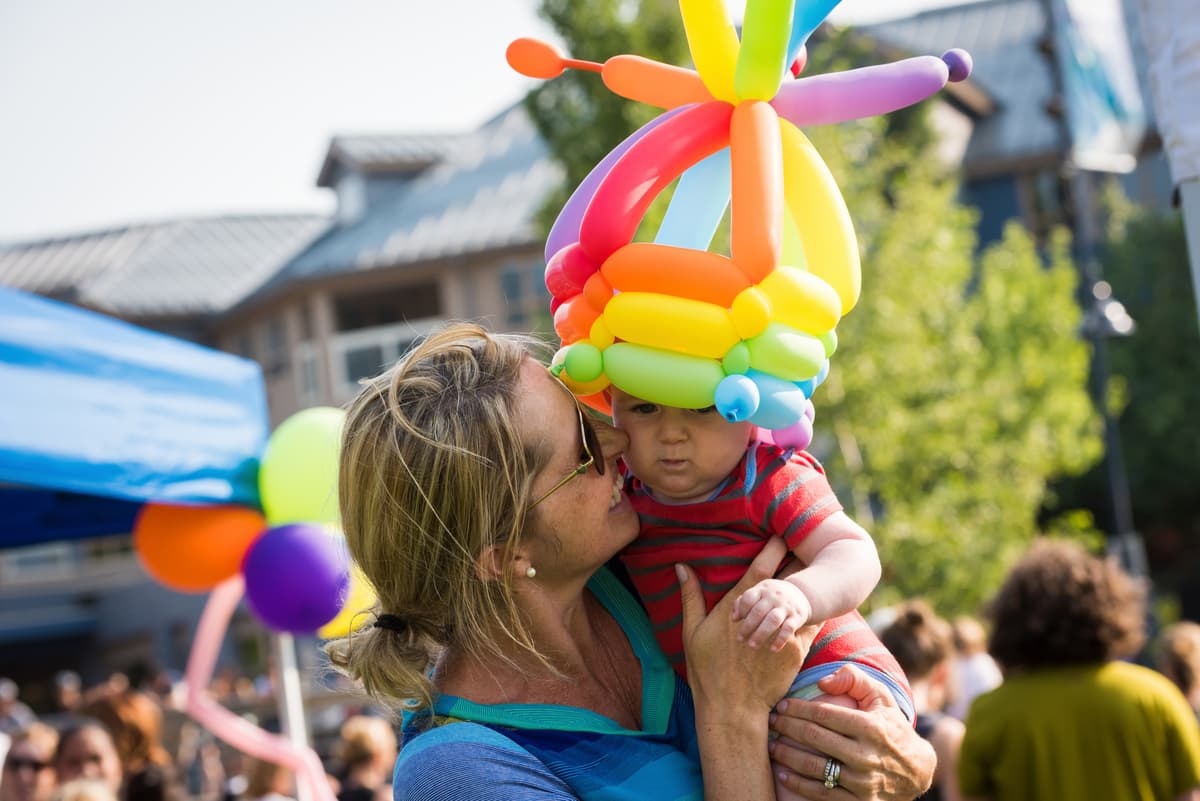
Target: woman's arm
{"type": "Point", "coordinates": [734, 686]}
{"type": "Point", "coordinates": [882, 756]}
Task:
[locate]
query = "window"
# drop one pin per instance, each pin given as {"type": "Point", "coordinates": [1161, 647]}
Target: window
{"type": "Point", "coordinates": [275, 355]}
{"type": "Point", "coordinates": [361, 354]}
{"type": "Point", "coordinates": [363, 362]}
{"type": "Point", "coordinates": [526, 299]}
{"type": "Point", "coordinates": [387, 307]}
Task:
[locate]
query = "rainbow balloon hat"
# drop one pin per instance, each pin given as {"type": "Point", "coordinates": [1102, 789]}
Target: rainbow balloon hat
{"type": "Point", "coordinates": [668, 321]}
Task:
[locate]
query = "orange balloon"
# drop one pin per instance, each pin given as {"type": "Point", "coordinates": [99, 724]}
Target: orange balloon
{"type": "Point", "coordinates": [653, 82]}
{"type": "Point", "coordinates": [194, 548]}
{"type": "Point", "coordinates": [756, 216]}
{"type": "Point", "coordinates": [534, 58]}
{"type": "Point", "coordinates": [668, 270]}
{"type": "Point", "coordinates": [574, 318]}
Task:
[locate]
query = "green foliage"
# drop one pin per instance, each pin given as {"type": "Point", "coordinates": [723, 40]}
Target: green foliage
{"type": "Point", "coordinates": [1160, 367]}
{"type": "Point", "coordinates": [960, 387]}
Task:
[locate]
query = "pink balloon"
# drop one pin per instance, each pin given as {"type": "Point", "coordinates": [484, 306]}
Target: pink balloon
{"type": "Point", "coordinates": [566, 226]}
{"type": "Point", "coordinates": [658, 158]}
{"type": "Point", "coordinates": [864, 92]}
{"type": "Point", "coordinates": [231, 728]}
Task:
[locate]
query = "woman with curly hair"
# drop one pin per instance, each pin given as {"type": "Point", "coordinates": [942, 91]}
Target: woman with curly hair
{"type": "Point", "coordinates": [1070, 721]}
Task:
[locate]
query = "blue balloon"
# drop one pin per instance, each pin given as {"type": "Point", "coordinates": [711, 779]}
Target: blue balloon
{"type": "Point", "coordinates": [781, 403]}
{"type": "Point", "coordinates": [698, 205]}
{"type": "Point", "coordinates": [736, 398]}
{"type": "Point", "coordinates": [808, 16]}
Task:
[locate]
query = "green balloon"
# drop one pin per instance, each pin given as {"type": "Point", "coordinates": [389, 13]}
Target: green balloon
{"type": "Point", "coordinates": [297, 479]}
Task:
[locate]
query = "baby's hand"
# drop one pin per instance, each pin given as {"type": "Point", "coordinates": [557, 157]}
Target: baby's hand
{"type": "Point", "coordinates": [771, 608]}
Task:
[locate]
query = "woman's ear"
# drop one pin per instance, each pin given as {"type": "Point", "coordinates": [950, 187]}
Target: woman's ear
{"type": "Point", "coordinates": [492, 563]}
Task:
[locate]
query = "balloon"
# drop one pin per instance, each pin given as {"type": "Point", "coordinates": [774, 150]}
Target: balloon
{"type": "Point", "coordinates": [296, 577]}
{"type": "Point", "coordinates": [786, 353]}
{"type": "Point", "coordinates": [781, 403]}
{"type": "Point", "coordinates": [802, 300]}
{"type": "Point", "coordinates": [194, 548]}
{"type": "Point", "coordinates": [808, 16]}
{"type": "Point", "coordinates": [645, 170]}
{"type": "Point", "coordinates": [673, 379]}
{"type": "Point", "coordinates": [756, 232]}
{"type": "Point", "coordinates": [298, 476]}
{"type": "Point", "coordinates": [566, 226]}
{"type": "Point", "coordinates": [534, 58]}
{"type": "Point", "coordinates": [360, 597]}
{"type": "Point", "coordinates": [816, 205]}
{"type": "Point", "coordinates": [863, 92]}
{"type": "Point", "coordinates": [763, 58]}
{"type": "Point", "coordinates": [234, 729]}
{"type": "Point", "coordinates": [798, 435]}
{"type": "Point", "coordinates": [653, 83]}
{"type": "Point", "coordinates": [736, 398]}
{"type": "Point", "coordinates": [676, 324]}
{"type": "Point", "coordinates": [698, 205]}
{"type": "Point", "coordinates": [695, 274]}
{"type": "Point", "coordinates": [713, 42]}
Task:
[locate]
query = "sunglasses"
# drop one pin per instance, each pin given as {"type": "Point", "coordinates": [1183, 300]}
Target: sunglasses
{"type": "Point", "coordinates": [591, 447]}
{"type": "Point", "coordinates": [16, 763]}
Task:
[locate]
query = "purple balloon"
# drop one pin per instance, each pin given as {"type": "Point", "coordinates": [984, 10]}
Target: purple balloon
{"type": "Point", "coordinates": [864, 92]}
{"type": "Point", "coordinates": [960, 63]}
{"type": "Point", "coordinates": [566, 226]}
{"type": "Point", "coordinates": [297, 577]}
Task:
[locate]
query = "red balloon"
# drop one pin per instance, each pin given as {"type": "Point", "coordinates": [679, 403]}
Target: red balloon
{"type": "Point", "coordinates": [194, 548]}
{"type": "Point", "coordinates": [646, 169]}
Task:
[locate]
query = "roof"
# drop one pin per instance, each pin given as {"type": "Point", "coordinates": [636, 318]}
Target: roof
{"type": "Point", "coordinates": [1003, 38]}
{"type": "Point", "coordinates": [482, 196]}
{"type": "Point", "coordinates": [180, 267]}
{"type": "Point", "coordinates": [385, 153]}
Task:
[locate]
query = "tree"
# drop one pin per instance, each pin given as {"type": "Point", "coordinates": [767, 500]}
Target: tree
{"type": "Point", "coordinates": [960, 387]}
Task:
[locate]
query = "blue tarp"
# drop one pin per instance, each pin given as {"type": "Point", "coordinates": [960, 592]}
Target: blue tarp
{"type": "Point", "coordinates": [100, 416]}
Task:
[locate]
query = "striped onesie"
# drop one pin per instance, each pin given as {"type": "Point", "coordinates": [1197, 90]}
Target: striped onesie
{"type": "Point", "coordinates": [773, 491]}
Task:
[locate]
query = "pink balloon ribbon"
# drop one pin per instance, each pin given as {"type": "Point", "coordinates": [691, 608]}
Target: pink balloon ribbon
{"type": "Point", "coordinates": [864, 92]}
{"type": "Point", "coordinates": [237, 731]}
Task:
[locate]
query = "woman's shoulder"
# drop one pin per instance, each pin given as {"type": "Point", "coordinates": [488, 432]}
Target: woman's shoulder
{"type": "Point", "coordinates": [469, 760]}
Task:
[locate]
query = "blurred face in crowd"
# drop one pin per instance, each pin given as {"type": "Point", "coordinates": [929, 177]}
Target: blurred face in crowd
{"type": "Point", "coordinates": [89, 753]}
{"type": "Point", "coordinates": [28, 773]}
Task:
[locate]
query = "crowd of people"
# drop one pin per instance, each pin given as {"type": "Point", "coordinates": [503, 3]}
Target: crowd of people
{"type": "Point", "coordinates": [109, 743]}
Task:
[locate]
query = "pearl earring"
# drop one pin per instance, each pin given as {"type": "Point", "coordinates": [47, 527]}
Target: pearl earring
{"type": "Point", "coordinates": [530, 571]}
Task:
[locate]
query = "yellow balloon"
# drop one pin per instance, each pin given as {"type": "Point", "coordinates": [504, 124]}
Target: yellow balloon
{"type": "Point", "coordinates": [801, 300]}
{"type": "Point", "coordinates": [360, 598]}
{"type": "Point", "coordinates": [820, 214]}
{"type": "Point", "coordinates": [714, 44]}
{"type": "Point", "coordinates": [682, 325]}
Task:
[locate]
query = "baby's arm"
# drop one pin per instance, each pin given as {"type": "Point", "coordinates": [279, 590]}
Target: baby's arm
{"type": "Point", "coordinates": [841, 568]}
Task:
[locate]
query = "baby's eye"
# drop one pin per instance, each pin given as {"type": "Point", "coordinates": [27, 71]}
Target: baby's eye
{"type": "Point", "coordinates": [705, 410]}
{"type": "Point", "coordinates": [644, 408]}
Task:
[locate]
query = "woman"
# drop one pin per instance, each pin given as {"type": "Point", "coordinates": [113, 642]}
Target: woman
{"type": "Point", "coordinates": [923, 644]}
{"type": "Point", "coordinates": [1179, 659]}
{"type": "Point", "coordinates": [86, 751]}
{"type": "Point", "coordinates": [135, 721]}
{"type": "Point", "coordinates": [29, 765]}
{"type": "Point", "coordinates": [1070, 721]}
{"type": "Point", "coordinates": [484, 506]}
{"type": "Point", "coordinates": [366, 749]}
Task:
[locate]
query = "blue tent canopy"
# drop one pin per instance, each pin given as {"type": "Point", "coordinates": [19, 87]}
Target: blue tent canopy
{"type": "Point", "coordinates": [98, 416]}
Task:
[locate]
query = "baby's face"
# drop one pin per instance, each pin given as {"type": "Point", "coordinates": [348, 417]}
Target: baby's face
{"type": "Point", "coordinates": [681, 454]}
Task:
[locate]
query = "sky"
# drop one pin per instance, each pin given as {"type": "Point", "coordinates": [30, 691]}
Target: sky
{"type": "Point", "coordinates": [129, 111]}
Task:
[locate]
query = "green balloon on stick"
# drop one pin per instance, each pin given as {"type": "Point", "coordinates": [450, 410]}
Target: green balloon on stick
{"type": "Point", "coordinates": [297, 479]}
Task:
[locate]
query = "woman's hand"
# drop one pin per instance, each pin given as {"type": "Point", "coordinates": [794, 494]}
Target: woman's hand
{"type": "Point", "coordinates": [719, 664]}
{"type": "Point", "coordinates": [735, 686]}
{"type": "Point", "coordinates": [882, 756]}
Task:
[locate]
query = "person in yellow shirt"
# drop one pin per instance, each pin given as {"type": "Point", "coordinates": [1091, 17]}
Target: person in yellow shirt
{"type": "Point", "coordinates": [1071, 722]}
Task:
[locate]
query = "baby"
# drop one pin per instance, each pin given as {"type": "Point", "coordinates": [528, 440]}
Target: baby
{"type": "Point", "coordinates": [708, 494]}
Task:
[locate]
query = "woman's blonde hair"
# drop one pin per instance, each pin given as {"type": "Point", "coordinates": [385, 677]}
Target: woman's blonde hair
{"type": "Point", "coordinates": [1179, 656]}
{"type": "Point", "coordinates": [364, 740]}
{"type": "Point", "coordinates": [433, 474]}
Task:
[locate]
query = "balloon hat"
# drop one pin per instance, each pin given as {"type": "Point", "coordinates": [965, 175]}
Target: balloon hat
{"type": "Point", "coordinates": [667, 320]}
